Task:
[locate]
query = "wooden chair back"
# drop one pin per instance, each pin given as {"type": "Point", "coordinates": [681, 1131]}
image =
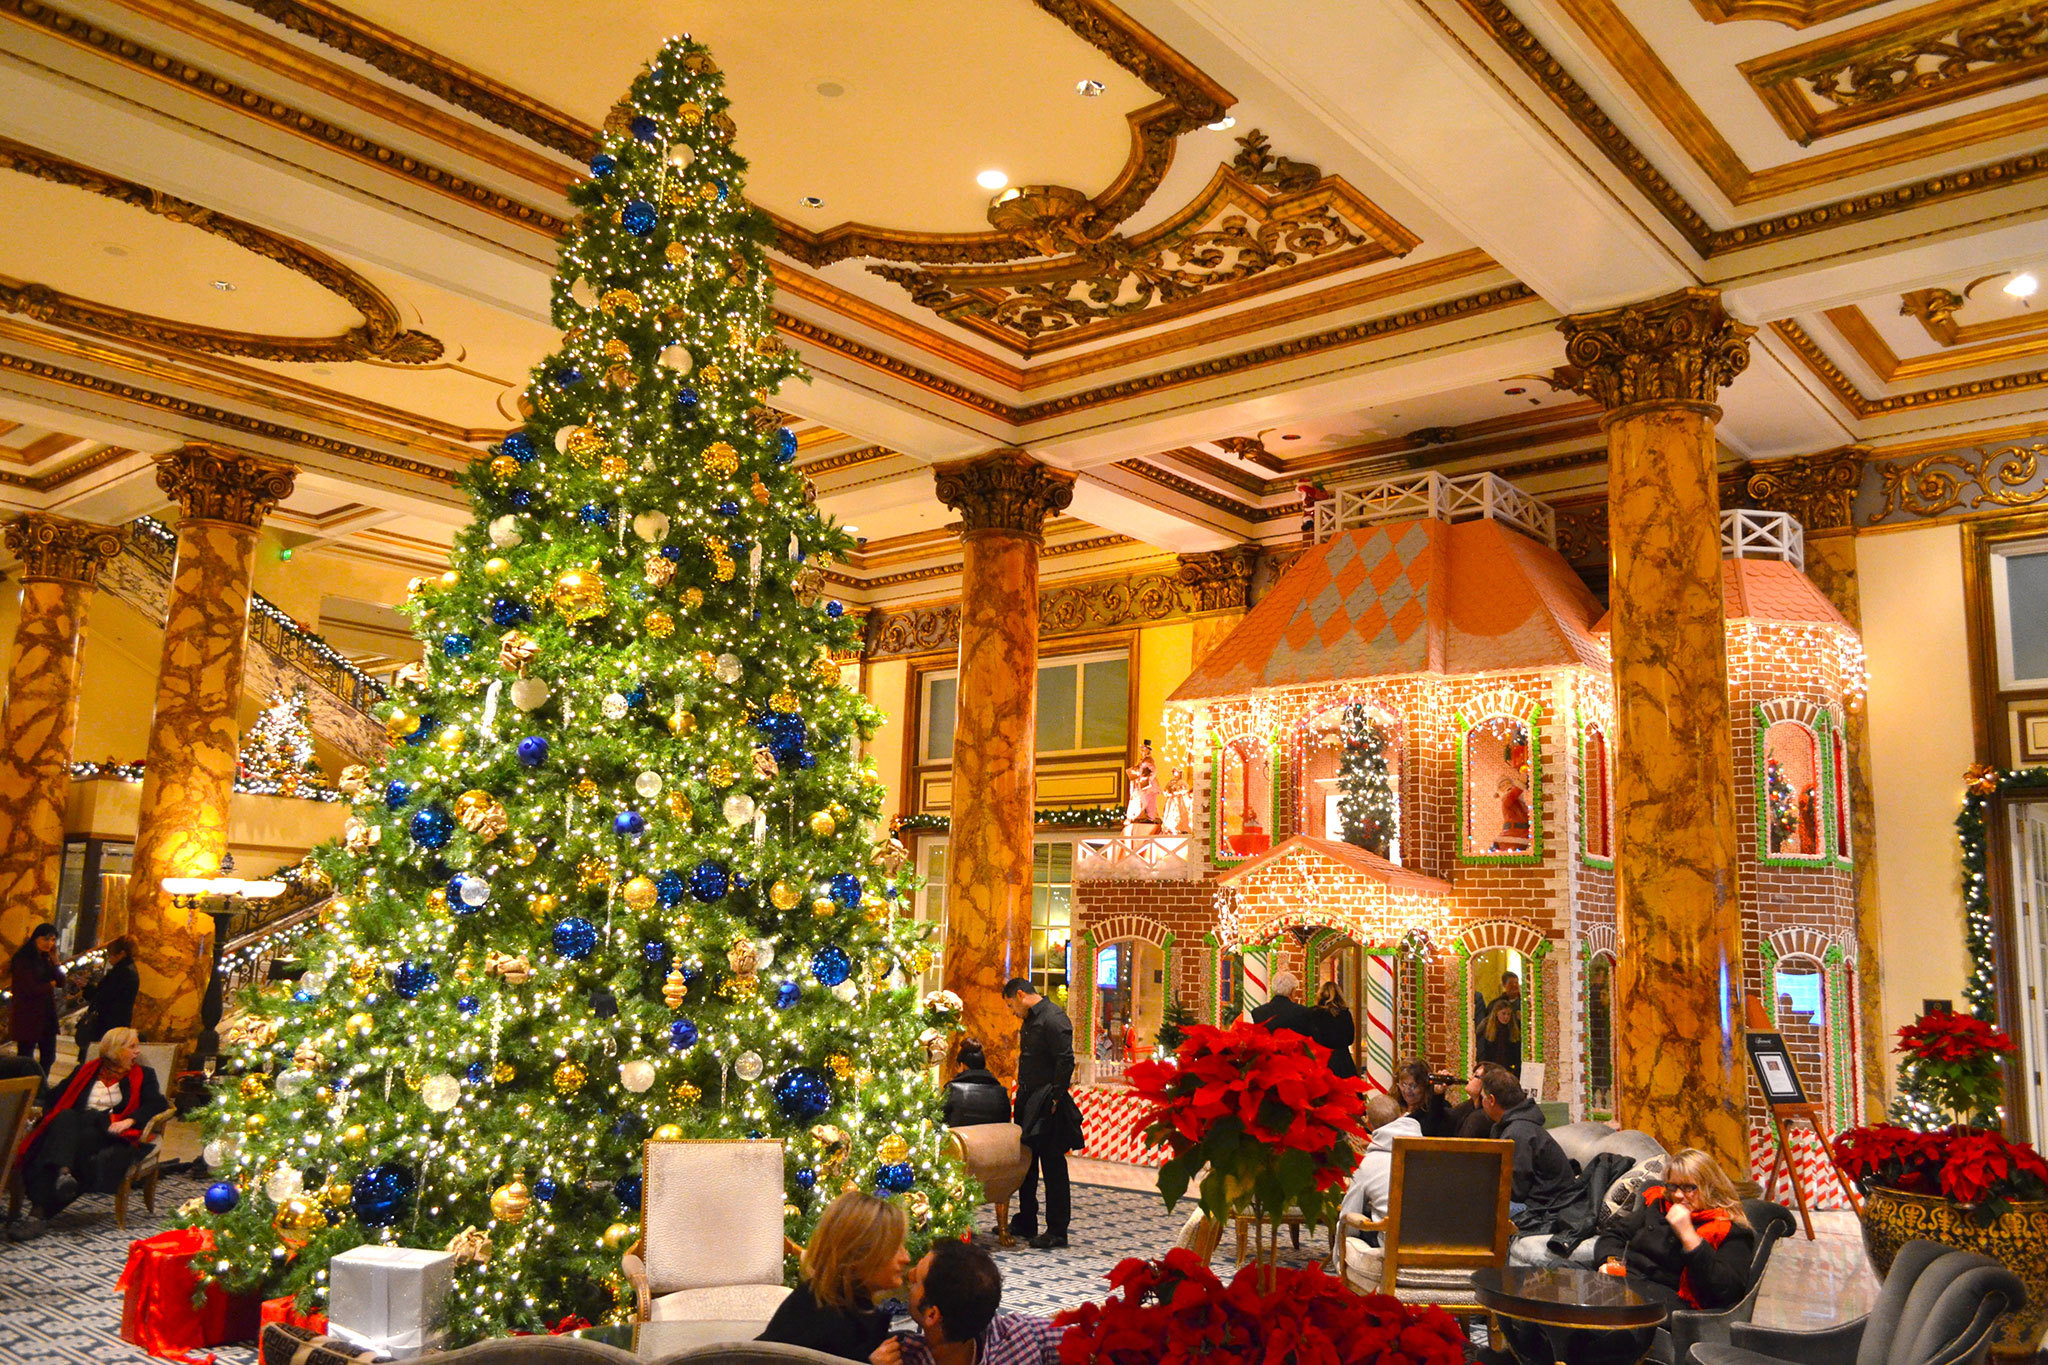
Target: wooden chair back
{"type": "Point", "coordinates": [1447, 1205]}
{"type": "Point", "coordinates": [17, 1107]}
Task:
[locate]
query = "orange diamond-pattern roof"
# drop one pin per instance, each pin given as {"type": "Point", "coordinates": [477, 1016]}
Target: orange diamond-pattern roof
{"type": "Point", "coordinates": [1407, 597]}
{"type": "Point", "coordinates": [1768, 590]}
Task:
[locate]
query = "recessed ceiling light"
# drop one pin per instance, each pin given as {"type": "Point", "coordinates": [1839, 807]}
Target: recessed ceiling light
{"type": "Point", "coordinates": [1291, 436]}
{"type": "Point", "coordinates": [992, 180]}
{"type": "Point", "coordinates": [113, 250]}
{"type": "Point", "coordinates": [812, 201]}
{"type": "Point", "coordinates": [831, 90]}
{"type": "Point", "coordinates": [851, 530]}
{"type": "Point", "coordinates": [1222, 125]}
{"type": "Point", "coordinates": [2022, 285]}
{"type": "Point", "coordinates": [224, 286]}
{"type": "Point", "coordinates": [1089, 89]}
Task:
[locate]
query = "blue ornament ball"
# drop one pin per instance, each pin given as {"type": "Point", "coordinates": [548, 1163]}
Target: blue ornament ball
{"type": "Point", "coordinates": [785, 444]}
{"type": "Point", "coordinates": [413, 979]}
{"type": "Point", "coordinates": [830, 965]}
{"type": "Point", "coordinates": [682, 1035]}
{"type": "Point", "coordinates": [519, 446]}
{"type": "Point", "coordinates": [590, 514]}
{"type": "Point", "coordinates": [655, 950]}
{"type": "Point", "coordinates": [846, 891]}
{"type": "Point", "coordinates": [643, 128]}
{"type": "Point", "coordinates": [432, 827]}
{"type": "Point", "coordinates": [569, 376]}
{"type": "Point", "coordinates": [670, 889]}
{"type": "Point", "coordinates": [787, 994]}
{"type": "Point", "coordinates": [709, 880]}
{"type": "Point", "coordinates": [520, 497]}
{"type": "Point", "coordinates": [575, 938]}
{"type": "Point", "coordinates": [545, 1189]}
{"type": "Point", "coordinates": [456, 645]}
{"type": "Point", "coordinates": [637, 696]}
{"type": "Point", "coordinates": [601, 165]}
{"type": "Point", "coordinates": [396, 794]}
{"type": "Point", "coordinates": [425, 732]}
{"type": "Point", "coordinates": [896, 1178]}
{"type": "Point", "coordinates": [835, 608]}
{"type": "Point", "coordinates": [627, 1188]}
{"type": "Point", "coordinates": [806, 1178]}
{"type": "Point", "coordinates": [533, 751]}
{"type": "Point", "coordinates": [728, 508]}
{"type": "Point", "coordinates": [672, 552]}
{"type": "Point", "coordinates": [628, 824]}
{"type": "Point", "coordinates": [686, 399]}
{"type": "Point", "coordinates": [510, 611]}
{"type": "Point", "coordinates": [476, 1073]}
{"type": "Point", "coordinates": [802, 1093]}
{"type": "Point", "coordinates": [638, 218]}
{"type": "Point", "coordinates": [221, 1197]}
{"type": "Point", "coordinates": [382, 1195]}
{"type": "Point", "coordinates": [467, 1006]}
{"type": "Point", "coordinates": [806, 759]}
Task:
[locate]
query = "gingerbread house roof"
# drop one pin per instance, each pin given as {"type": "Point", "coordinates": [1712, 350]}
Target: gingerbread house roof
{"type": "Point", "coordinates": [1423, 596]}
{"type": "Point", "coordinates": [1767, 590]}
{"type": "Point", "coordinates": [1344, 860]}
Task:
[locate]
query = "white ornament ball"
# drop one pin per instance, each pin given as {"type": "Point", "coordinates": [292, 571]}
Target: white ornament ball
{"type": "Point", "coordinates": [678, 359]}
{"type": "Point", "coordinates": [283, 1184]}
{"type": "Point", "coordinates": [764, 956]}
{"type": "Point", "coordinates": [312, 983]}
{"type": "Point", "coordinates": [681, 155]}
{"type": "Point", "coordinates": [637, 1076]}
{"type": "Point", "coordinates": [845, 993]}
{"type": "Point", "coordinates": [739, 808]}
{"type": "Point", "coordinates": [728, 668]}
{"type": "Point", "coordinates": [650, 526]}
{"type": "Point", "coordinates": [748, 1066]}
{"type": "Point", "coordinates": [505, 532]}
{"type": "Point", "coordinates": [529, 694]}
{"type": "Point", "coordinates": [215, 1154]}
{"type": "Point", "coordinates": [290, 1083]}
{"type": "Point", "coordinates": [614, 706]}
{"type": "Point", "coordinates": [440, 1093]}
{"type": "Point", "coordinates": [473, 891]}
{"type": "Point", "coordinates": [583, 293]}
{"type": "Point", "coordinates": [648, 785]}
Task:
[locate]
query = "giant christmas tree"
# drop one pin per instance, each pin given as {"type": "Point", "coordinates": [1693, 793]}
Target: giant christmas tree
{"type": "Point", "coordinates": [613, 881]}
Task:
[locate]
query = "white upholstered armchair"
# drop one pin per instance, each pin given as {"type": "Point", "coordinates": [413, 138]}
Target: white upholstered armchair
{"type": "Point", "coordinates": [711, 1241]}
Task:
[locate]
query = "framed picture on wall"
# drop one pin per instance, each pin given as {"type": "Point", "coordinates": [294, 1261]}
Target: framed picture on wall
{"type": "Point", "coordinates": [1773, 1067]}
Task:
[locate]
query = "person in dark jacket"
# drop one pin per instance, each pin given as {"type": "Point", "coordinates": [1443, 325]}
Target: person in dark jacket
{"type": "Point", "coordinates": [1500, 1038]}
{"type": "Point", "coordinates": [1045, 1111]}
{"type": "Point", "coordinates": [1545, 1184]}
{"type": "Point", "coordinates": [1285, 1010]}
{"type": "Point", "coordinates": [92, 1125]}
{"type": "Point", "coordinates": [855, 1253]}
{"type": "Point", "coordinates": [975, 1095]}
{"type": "Point", "coordinates": [35, 978]}
{"type": "Point", "coordinates": [113, 999]}
{"type": "Point", "coordinates": [1332, 1026]}
{"type": "Point", "coordinates": [1417, 1090]}
{"type": "Point", "coordinates": [1468, 1117]}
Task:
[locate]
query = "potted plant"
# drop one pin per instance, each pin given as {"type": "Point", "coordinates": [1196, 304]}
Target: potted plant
{"type": "Point", "coordinates": [1962, 1184]}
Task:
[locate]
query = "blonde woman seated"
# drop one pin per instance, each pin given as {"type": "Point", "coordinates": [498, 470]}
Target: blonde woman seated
{"type": "Point", "coordinates": [91, 1131]}
{"type": "Point", "coordinates": [855, 1253]}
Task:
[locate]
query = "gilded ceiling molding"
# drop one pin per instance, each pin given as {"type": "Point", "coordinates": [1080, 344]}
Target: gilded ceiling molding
{"type": "Point", "coordinates": [881, 581]}
{"type": "Point", "coordinates": [1855, 329]}
{"type": "Point", "coordinates": [1829, 373]}
{"type": "Point", "coordinates": [1792, 13]}
{"type": "Point", "coordinates": [804, 330]}
{"type": "Point", "coordinates": [383, 335]}
{"type": "Point", "coordinates": [1937, 308]}
{"type": "Point", "coordinates": [1819, 489]}
{"type": "Point", "coordinates": [1938, 484]}
{"type": "Point", "coordinates": [276, 114]}
{"type": "Point", "coordinates": [74, 469]}
{"type": "Point", "coordinates": [1679, 350]}
{"type": "Point", "coordinates": [1900, 65]}
{"type": "Point", "coordinates": [1207, 496]}
{"type": "Point", "coordinates": [1263, 222]}
{"type": "Point", "coordinates": [846, 459]}
{"type": "Point", "coordinates": [51, 546]}
{"type": "Point", "coordinates": [234, 421]}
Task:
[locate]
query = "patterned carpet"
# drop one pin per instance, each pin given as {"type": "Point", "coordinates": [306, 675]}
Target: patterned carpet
{"type": "Point", "coordinates": [58, 1302]}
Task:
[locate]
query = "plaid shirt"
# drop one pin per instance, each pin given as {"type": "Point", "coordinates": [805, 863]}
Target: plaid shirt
{"type": "Point", "coordinates": [1011, 1339]}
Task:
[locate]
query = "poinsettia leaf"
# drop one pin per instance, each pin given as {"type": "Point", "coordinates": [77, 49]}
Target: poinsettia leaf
{"type": "Point", "coordinates": [1173, 1182]}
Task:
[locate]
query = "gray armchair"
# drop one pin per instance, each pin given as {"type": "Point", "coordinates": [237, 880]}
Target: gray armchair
{"type": "Point", "coordinates": [1447, 1216]}
{"type": "Point", "coordinates": [1937, 1307]}
{"type": "Point", "coordinates": [1689, 1327]}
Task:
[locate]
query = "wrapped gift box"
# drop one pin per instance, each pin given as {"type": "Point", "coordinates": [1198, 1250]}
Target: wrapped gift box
{"type": "Point", "coordinates": [390, 1298]}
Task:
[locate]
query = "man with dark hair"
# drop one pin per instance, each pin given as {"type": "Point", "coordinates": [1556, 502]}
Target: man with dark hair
{"type": "Point", "coordinates": [1545, 1186]}
{"type": "Point", "coordinates": [975, 1096]}
{"type": "Point", "coordinates": [1045, 1111]}
{"type": "Point", "coordinates": [1468, 1116]}
{"type": "Point", "coordinates": [954, 1294]}
{"type": "Point", "coordinates": [113, 999]}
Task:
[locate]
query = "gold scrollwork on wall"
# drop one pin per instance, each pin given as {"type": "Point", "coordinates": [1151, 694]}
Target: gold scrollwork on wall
{"type": "Point", "coordinates": [383, 335]}
{"type": "Point", "coordinates": [1951, 481]}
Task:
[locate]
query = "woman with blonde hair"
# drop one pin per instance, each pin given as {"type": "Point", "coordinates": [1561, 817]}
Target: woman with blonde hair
{"type": "Point", "coordinates": [855, 1253]}
{"type": "Point", "coordinates": [91, 1132]}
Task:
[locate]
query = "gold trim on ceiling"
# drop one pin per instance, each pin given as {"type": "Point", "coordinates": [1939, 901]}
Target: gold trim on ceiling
{"type": "Point", "coordinates": [1854, 327]}
{"type": "Point", "coordinates": [1792, 13]}
{"type": "Point", "coordinates": [1921, 59]}
{"type": "Point", "coordinates": [44, 482]}
{"type": "Point", "coordinates": [383, 334]}
{"type": "Point", "coordinates": [1829, 373]}
{"type": "Point", "coordinates": [1937, 308]}
{"type": "Point", "coordinates": [1261, 223]}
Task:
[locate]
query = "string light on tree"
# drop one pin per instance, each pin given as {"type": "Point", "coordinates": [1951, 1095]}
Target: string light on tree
{"type": "Point", "coordinates": [277, 755]}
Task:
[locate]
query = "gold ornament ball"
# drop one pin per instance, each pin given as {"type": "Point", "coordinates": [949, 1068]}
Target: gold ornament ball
{"type": "Point", "coordinates": [719, 774]}
{"type": "Point", "coordinates": [678, 806]}
{"type": "Point", "coordinates": [618, 1236]}
{"type": "Point", "coordinates": [359, 1025]}
{"type": "Point", "coordinates": [693, 598]}
{"type": "Point", "coordinates": [450, 579]}
{"type": "Point", "coordinates": [612, 466]}
{"type": "Point", "coordinates": [784, 896]}
{"type": "Point", "coordinates": [683, 723]}
{"type": "Point", "coordinates": [824, 907]}
{"type": "Point", "coordinates": [719, 456]}
{"type": "Point", "coordinates": [839, 812]}
{"type": "Point", "coordinates": [335, 1194]}
{"type": "Point", "coordinates": [252, 1087]}
{"type": "Point", "coordinates": [544, 905]}
{"type": "Point", "coordinates": [452, 738]}
{"type": "Point", "coordinates": [510, 1203]}
{"type": "Point", "coordinates": [361, 970]}
{"type": "Point", "coordinates": [399, 724]}
{"type": "Point", "coordinates": [892, 1149]}
{"type": "Point", "coordinates": [593, 872]}
{"type": "Point", "coordinates": [586, 788]}
{"type": "Point", "coordinates": [505, 467]}
{"type": "Point", "coordinates": [297, 1217]}
{"type": "Point", "coordinates": [659, 624]}
{"type": "Point", "coordinates": [355, 1135]}
{"type": "Point", "coordinates": [825, 670]}
{"type": "Point", "coordinates": [668, 1132]}
{"type": "Point", "coordinates": [497, 567]}
{"type": "Point", "coordinates": [503, 1073]}
{"type": "Point", "coordinates": [437, 900]}
{"type": "Point", "coordinates": [324, 1095]}
{"type": "Point", "coordinates": [569, 1078]}
{"type": "Point", "coordinates": [521, 852]}
{"type": "Point", "coordinates": [841, 1065]}
{"type": "Point", "coordinates": [579, 595]}
{"type": "Point", "coordinates": [685, 1093]}
{"type": "Point", "coordinates": [785, 701]}
{"type": "Point", "coordinates": [640, 893]}
{"type": "Point", "coordinates": [823, 825]}
{"type": "Point", "coordinates": [254, 1122]}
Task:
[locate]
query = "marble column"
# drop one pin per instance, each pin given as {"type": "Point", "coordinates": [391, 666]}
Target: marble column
{"type": "Point", "coordinates": [1656, 369]}
{"type": "Point", "coordinates": [1002, 499]}
{"type": "Point", "coordinates": [223, 496]}
{"type": "Point", "coordinates": [60, 563]}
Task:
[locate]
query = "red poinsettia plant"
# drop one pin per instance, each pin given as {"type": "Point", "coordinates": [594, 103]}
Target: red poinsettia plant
{"type": "Point", "coordinates": [1262, 1111]}
{"type": "Point", "coordinates": [1177, 1310]}
{"type": "Point", "coordinates": [1952, 1062]}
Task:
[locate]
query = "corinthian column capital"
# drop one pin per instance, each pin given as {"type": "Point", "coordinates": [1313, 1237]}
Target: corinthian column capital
{"type": "Point", "coordinates": [1677, 351]}
{"type": "Point", "coordinates": [1005, 491]}
{"type": "Point", "coordinates": [58, 547]}
{"type": "Point", "coordinates": [214, 483]}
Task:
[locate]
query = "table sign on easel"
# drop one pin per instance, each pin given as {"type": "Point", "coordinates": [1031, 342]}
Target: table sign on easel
{"type": "Point", "coordinates": [1771, 1064]}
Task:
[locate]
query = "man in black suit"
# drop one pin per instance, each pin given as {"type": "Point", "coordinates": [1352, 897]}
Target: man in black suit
{"type": "Point", "coordinates": [1285, 1010]}
{"type": "Point", "coordinates": [113, 1000]}
{"type": "Point", "coordinates": [1045, 1111]}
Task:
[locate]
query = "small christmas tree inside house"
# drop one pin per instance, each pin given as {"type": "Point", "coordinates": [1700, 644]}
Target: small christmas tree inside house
{"type": "Point", "coordinates": [1365, 784]}
{"type": "Point", "coordinates": [277, 753]}
{"type": "Point", "coordinates": [613, 880]}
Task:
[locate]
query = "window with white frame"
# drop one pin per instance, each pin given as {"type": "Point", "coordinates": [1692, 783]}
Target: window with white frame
{"type": "Point", "coordinates": [1084, 706]}
{"type": "Point", "coordinates": [931, 904]}
{"type": "Point", "coordinates": [2019, 605]}
{"type": "Point", "coordinates": [1052, 915]}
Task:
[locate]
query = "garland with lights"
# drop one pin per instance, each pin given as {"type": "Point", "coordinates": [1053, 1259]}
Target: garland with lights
{"type": "Point", "coordinates": [111, 771]}
{"type": "Point", "coordinates": [277, 754]}
{"type": "Point", "coordinates": [613, 881]}
{"type": "Point", "coordinates": [1054, 817]}
{"type": "Point", "coordinates": [1365, 785]}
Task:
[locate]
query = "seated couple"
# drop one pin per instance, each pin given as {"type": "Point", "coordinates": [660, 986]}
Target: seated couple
{"type": "Point", "coordinates": [857, 1253]}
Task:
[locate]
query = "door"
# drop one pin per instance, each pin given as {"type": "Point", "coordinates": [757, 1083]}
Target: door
{"type": "Point", "coordinates": [2030, 955]}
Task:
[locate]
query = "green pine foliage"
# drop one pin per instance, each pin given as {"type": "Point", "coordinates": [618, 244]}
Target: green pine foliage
{"type": "Point", "coordinates": [613, 880]}
{"type": "Point", "coordinates": [1365, 785]}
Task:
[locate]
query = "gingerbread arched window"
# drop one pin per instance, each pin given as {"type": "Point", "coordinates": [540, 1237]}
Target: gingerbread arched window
{"type": "Point", "coordinates": [1501, 797]}
{"type": "Point", "coordinates": [1791, 795]}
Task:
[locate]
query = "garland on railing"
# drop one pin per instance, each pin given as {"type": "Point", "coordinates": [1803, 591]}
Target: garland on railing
{"type": "Point", "coordinates": [133, 772]}
{"type": "Point", "coordinates": [1059, 817]}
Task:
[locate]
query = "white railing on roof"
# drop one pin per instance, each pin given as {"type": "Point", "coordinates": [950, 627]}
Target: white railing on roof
{"type": "Point", "coordinates": [1437, 497]}
{"type": "Point", "coordinates": [1763, 535]}
{"type": "Point", "coordinates": [1137, 857]}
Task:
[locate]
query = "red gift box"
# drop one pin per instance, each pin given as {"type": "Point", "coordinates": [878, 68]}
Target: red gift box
{"type": "Point", "coordinates": [163, 1312]}
{"type": "Point", "coordinates": [281, 1310]}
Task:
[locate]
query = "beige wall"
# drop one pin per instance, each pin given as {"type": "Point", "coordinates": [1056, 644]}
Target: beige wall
{"type": "Point", "coordinates": [886, 679]}
{"type": "Point", "coordinates": [1921, 740]}
{"type": "Point", "coordinates": [1164, 655]}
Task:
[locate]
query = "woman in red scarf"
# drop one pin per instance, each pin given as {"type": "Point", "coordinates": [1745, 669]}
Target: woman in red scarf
{"type": "Point", "coordinates": [91, 1133]}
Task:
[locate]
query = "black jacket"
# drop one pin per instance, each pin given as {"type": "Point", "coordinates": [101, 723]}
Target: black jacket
{"type": "Point", "coordinates": [1655, 1259]}
{"type": "Point", "coordinates": [1337, 1032]}
{"type": "Point", "coordinates": [1281, 1012]}
{"type": "Point", "coordinates": [1045, 1054]}
{"type": "Point", "coordinates": [113, 1003]}
{"type": "Point", "coordinates": [976, 1096]}
{"type": "Point", "coordinates": [1466, 1119]}
{"type": "Point", "coordinates": [1434, 1115]}
{"type": "Point", "coordinates": [1544, 1180]}
{"type": "Point", "coordinates": [801, 1320]}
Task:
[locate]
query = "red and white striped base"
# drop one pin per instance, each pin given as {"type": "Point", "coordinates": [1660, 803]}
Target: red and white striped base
{"type": "Point", "coordinates": [1816, 1172]}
